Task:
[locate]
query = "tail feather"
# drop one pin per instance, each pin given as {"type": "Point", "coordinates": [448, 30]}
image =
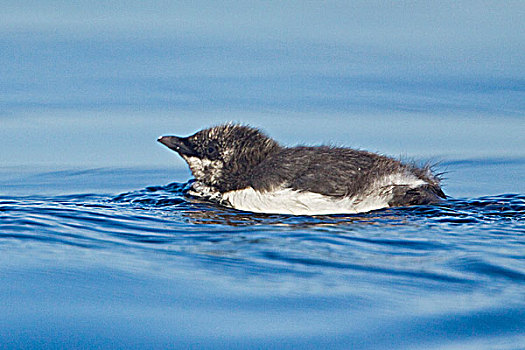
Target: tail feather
{"type": "Point", "coordinates": [422, 195]}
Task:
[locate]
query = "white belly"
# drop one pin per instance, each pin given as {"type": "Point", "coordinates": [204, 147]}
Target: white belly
{"type": "Point", "coordinates": [289, 201]}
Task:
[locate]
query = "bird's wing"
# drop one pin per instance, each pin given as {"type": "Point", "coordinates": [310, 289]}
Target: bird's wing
{"type": "Point", "coordinates": [322, 170]}
{"type": "Point", "coordinates": [323, 179]}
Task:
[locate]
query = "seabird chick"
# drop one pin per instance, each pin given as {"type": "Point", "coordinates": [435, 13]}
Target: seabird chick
{"type": "Point", "coordinates": [240, 167]}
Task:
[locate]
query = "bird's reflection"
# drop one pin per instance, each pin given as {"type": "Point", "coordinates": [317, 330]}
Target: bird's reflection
{"type": "Point", "coordinates": [200, 212]}
{"type": "Point", "coordinates": [173, 198]}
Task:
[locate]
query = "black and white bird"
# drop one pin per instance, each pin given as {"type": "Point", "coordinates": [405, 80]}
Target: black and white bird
{"type": "Point", "coordinates": [240, 167]}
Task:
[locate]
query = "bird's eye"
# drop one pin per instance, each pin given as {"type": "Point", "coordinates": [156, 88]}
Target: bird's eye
{"type": "Point", "coordinates": [211, 150]}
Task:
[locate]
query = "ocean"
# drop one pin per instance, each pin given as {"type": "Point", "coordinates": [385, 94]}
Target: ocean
{"type": "Point", "coordinates": [100, 247]}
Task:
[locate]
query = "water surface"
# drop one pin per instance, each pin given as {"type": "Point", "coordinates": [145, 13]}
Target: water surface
{"type": "Point", "coordinates": [153, 268]}
{"type": "Point", "coordinates": [100, 247]}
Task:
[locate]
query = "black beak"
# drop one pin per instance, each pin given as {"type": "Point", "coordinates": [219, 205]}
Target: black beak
{"type": "Point", "coordinates": [181, 145]}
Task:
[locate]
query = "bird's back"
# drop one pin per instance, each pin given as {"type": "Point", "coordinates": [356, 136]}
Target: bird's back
{"type": "Point", "coordinates": [346, 173]}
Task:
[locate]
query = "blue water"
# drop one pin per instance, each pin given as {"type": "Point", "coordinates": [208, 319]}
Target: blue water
{"type": "Point", "coordinates": [153, 268]}
{"type": "Point", "coordinates": [101, 248]}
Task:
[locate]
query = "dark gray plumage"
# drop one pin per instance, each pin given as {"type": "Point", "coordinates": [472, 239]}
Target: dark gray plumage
{"type": "Point", "coordinates": [234, 157]}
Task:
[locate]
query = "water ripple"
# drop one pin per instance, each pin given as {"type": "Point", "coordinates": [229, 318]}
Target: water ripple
{"type": "Point", "coordinates": [407, 244]}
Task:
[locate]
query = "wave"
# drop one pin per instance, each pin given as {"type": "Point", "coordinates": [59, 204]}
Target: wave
{"type": "Point", "coordinates": [434, 243]}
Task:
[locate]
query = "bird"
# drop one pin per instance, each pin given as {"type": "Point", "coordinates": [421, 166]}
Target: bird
{"type": "Point", "coordinates": [239, 166]}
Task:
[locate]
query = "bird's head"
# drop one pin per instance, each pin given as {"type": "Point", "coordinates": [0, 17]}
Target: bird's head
{"type": "Point", "coordinates": [223, 156]}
